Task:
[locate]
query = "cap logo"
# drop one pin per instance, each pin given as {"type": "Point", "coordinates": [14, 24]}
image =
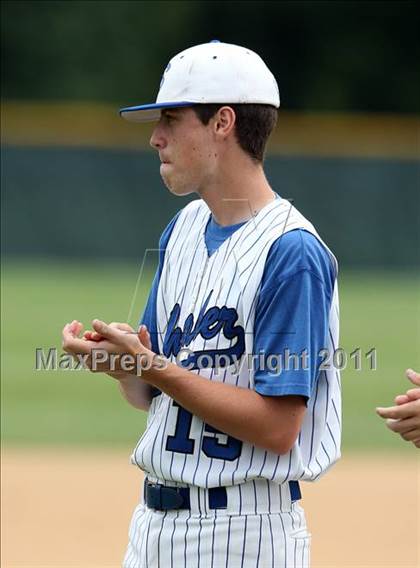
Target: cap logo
{"type": "Point", "coordinates": [164, 73]}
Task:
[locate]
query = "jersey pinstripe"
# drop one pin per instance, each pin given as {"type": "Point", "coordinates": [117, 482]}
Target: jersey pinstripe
{"type": "Point", "coordinates": [206, 307]}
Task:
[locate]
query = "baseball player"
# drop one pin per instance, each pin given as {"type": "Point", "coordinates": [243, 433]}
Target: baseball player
{"type": "Point", "coordinates": [243, 304]}
{"type": "Point", "coordinates": [404, 418]}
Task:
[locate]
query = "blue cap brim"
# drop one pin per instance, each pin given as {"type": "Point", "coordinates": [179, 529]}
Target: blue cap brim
{"type": "Point", "coordinates": [150, 112]}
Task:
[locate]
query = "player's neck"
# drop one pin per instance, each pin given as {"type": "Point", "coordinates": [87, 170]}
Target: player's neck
{"type": "Point", "coordinates": [236, 194]}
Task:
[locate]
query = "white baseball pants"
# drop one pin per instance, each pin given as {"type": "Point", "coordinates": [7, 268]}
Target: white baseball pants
{"type": "Point", "coordinates": [244, 535]}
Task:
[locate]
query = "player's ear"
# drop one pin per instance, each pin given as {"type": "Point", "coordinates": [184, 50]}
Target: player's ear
{"type": "Point", "coordinates": [224, 121]}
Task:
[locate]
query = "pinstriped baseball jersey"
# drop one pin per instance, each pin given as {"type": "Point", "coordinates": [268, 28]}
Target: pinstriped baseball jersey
{"type": "Point", "coordinates": [205, 317]}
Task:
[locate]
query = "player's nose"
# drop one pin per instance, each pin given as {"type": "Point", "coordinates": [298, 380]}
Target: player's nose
{"type": "Point", "coordinates": [157, 140]}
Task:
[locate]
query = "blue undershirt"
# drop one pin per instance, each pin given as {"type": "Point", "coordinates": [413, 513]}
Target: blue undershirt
{"type": "Point", "coordinates": [292, 312]}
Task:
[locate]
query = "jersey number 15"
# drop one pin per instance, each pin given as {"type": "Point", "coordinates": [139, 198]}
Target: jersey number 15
{"type": "Point", "coordinates": [211, 445]}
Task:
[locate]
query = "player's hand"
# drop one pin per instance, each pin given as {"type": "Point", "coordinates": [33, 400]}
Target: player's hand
{"type": "Point", "coordinates": [116, 339]}
{"type": "Point", "coordinates": [118, 373]}
{"type": "Point", "coordinates": [404, 418]}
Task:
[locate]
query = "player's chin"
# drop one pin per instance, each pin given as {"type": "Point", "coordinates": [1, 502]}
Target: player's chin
{"type": "Point", "coordinates": [181, 192]}
{"type": "Point", "coordinates": [177, 188]}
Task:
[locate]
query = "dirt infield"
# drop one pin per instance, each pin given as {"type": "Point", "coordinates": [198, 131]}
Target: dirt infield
{"type": "Point", "coordinates": [72, 509]}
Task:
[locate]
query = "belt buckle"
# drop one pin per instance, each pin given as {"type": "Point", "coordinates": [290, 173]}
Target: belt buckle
{"type": "Point", "coordinates": [162, 498]}
{"type": "Point", "coordinates": [154, 495]}
{"type": "Point", "coordinates": [174, 499]}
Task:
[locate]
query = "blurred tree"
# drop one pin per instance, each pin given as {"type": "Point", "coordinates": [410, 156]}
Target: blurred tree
{"type": "Point", "coordinates": [342, 55]}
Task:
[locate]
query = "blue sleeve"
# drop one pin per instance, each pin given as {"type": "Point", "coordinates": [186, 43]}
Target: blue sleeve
{"type": "Point", "coordinates": [292, 315]}
{"type": "Point", "coordinates": [149, 315]}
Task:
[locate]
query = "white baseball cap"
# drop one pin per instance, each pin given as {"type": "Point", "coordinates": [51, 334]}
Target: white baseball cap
{"type": "Point", "coordinates": [212, 72]}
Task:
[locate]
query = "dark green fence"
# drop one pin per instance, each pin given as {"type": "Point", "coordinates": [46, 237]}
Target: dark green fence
{"type": "Point", "coordinates": [101, 203]}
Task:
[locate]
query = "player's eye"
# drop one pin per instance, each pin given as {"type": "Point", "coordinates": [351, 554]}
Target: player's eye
{"type": "Point", "coordinates": [170, 117]}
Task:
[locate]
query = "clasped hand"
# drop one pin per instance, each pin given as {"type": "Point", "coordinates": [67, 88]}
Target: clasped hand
{"type": "Point", "coordinates": [108, 348]}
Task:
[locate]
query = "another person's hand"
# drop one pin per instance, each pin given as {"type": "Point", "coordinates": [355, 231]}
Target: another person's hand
{"type": "Point", "coordinates": [404, 418]}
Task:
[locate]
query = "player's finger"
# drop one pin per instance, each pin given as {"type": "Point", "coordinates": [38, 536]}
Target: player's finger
{"type": "Point", "coordinates": [401, 399]}
{"type": "Point", "coordinates": [76, 327]}
{"type": "Point", "coordinates": [92, 336]}
{"type": "Point", "coordinates": [107, 331]}
{"type": "Point", "coordinates": [403, 426]}
{"type": "Point", "coordinates": [144, 336]}
{"type": "Point", "coordinates": [148, 338]}
{"type": "Point", "coordinates": [413, 376]}
{"type": "Point", "coordinates": [398, 412]}
{"type": "Point", "coordinates": [67, 331]}
{"type": "Point", "coordinates": [71, 343]}
{"type": "Point", "coordinates": [100, 326]}
{"type": "Point", "coordinates": [121, 326]}
{"type": "Point", "coordinates": [417, 443]}
{"type": "Point", "coordinates": [413, 394]}
{"type": "Point", "coordinates": [410, 436]}
{"type": "Point", "coordinates": [66, 327]}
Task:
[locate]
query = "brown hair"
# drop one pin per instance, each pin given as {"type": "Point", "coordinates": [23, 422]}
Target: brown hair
{"type": "Point", "coordinates": [254, 124]}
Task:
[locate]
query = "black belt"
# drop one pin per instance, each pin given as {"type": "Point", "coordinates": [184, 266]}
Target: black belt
{"type": "Point", "coordinates": [162, 498]}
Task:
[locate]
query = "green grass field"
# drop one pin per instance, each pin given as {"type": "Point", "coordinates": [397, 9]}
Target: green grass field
{"type": "Point", "coordinates": [378, 310]}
